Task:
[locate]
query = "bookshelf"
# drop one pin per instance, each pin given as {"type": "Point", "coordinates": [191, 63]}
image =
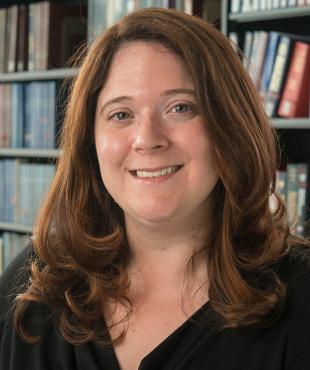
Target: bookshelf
{"type": "Point", "coordinates": [9, 226]}
{"type": "Point", "coordinates": [271, 14]}
{"type": "Point", "coordinates": [241, 19]}
{"type": "Point", "coordinates": [29, 153]}
{"type": "Point", "coordinates": [26, 168]}
{"type": "Point", "coordinates": [52, 74]}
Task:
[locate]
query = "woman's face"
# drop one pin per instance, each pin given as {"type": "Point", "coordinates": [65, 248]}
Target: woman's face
{"type": "Point", "coordinates": [155, 157]}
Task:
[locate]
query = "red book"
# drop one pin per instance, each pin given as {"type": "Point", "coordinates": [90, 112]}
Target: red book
{"type": "Point", "coordinates": [295, 98]}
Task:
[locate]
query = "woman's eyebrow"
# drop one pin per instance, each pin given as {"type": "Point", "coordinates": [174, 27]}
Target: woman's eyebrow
{"type": "Point", "coordinates": [179, 91]}
{"type": "Point", "coordinates": [164, 93]}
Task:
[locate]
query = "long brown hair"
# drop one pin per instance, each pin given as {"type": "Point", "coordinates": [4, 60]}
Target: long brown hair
{"type": "Point", "coordinates": [80, 240]}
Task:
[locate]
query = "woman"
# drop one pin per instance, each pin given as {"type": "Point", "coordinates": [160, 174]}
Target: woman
{"type": "Point", "coordinates": [156, 247]}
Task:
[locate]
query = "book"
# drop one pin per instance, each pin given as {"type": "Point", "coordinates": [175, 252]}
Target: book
{"type": "Point", "coordinates": [31, 36]}
{"type": "Point", "coordinates": [233, 37]}
{"type": "Point", "coordinates": [257, 56]}
{"type": "Point", "coordinates": [303, 199]}
{"type": "Point", "coordinates": [2, 39]}
{"type": "Point", "coordinates": [2, 128]}
{"type": "Point", "coordinates": [22, 188]}
{"type": "Point", "coordinates": [294, 101]}
{"type": "Point", "coordinates": [12, 38]}
{"type": "Point", "coordinates": [278, 75]}
{"type": "Point", "coordinates": [281, 183]}
{"type": "Point", "coordinates": [292, 195]}
{"type": "Point", "coordinates": [269, 60]}
{"type": "Point", "coordinates": [65, 26]}
{"type": "Point", "coordinates": [248, 43]}
{"type": "Point", "coordinates": [22, 41]}
{"type": "Point", "coordinates": [235, 6]}
{"type": "Point", "coordinates": [17, 115]}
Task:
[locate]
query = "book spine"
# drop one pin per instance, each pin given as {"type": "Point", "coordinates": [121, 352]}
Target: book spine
{"type": "Point", "coordinates": [13, 39]}
{"type": "Point", "coordinates": [278, 75]}
{"type": "Point", "coordinates": [28, 115]}
{"type": "Point", "coordinates": [9, 109]}
{"type": "Point", "coordinates": [269, 61]}
{"type": "Point", "coordinates": [281, 184]}
{"type": "Point", "coordinates": [23, 186]}
{"type": "Point", "coordinates": [295, 98]}
{"type": "Point", "coordinates": [31, 36]}
{"type": "Point", "coordinates": [22, 42]}
{"type": "Point", "coordinates": [2, 191]}
{"type": "Point", "coordinates": [2, 115]}
{"type": "Point", "coordinates": [302, 189]}
{"type": "Point", "coordinates": [292, 195]}
{"type": "Point", "coordinates": [248, 42]}
{"type": "Point", "coordinates": [2, 39]}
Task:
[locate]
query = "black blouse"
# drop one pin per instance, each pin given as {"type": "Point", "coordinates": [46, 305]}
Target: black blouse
{"type": "Point", "coordinates": [285, 345]}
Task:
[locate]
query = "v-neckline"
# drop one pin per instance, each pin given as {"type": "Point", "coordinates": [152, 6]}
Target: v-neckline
{"type": "Point", "coordinates": [205, 306]}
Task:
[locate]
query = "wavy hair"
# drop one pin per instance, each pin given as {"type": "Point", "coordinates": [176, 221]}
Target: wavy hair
{"type": "Point", "coordinates": [80, 240]}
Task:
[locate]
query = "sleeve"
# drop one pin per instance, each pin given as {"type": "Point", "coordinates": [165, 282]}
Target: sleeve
{"type": "Point", "coordinates": [298, 342]}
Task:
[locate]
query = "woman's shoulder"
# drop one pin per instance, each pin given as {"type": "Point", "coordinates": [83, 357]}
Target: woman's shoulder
{"type": "Point", "coordinates": [14, 278]}
{"type": "Point", "coordinates": [294, 267]}
{"type": "Point", "coordinates": [294, 271]}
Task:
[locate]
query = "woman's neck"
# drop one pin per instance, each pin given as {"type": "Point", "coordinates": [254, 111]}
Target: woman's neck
{"type": "Point", "coordinates": [159, 259]}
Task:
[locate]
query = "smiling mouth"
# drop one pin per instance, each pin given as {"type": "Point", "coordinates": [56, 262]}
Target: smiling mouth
{"type": "Point", "coordinates": [151, 174]}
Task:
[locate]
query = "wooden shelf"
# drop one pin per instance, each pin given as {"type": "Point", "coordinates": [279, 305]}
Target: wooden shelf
{"type": "Point", "coordinates": [29, 153]}
{"type": "Point", "coordinates": [52, 74]}
{"type": "Point", "coordinates": [293, 123]}
{"type": "Point", "coordinates": [6, 226]}
{"type": "Point", "coordinates": [264, 15]}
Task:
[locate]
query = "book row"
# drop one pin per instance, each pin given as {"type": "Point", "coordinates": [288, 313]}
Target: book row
{"type": "Point", "coordinates": [293, 186]}
{"type": "Point", "coordinates": [40, 35]}
{"type": "Point", "coordinates": [279, 65]}
{"type": "Point", "coordinates": [114, 10]}
{"type": "Point", "coordinates": [10, 245]}
{"type": "Point", "coordinates": [28, 114]}
{"type": "Point", "coordinates": [22, 188]}
{"type": "Point", "coordinates": [244, 6]}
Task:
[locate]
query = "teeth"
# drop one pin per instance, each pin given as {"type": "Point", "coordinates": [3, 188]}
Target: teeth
{"type": "Point", "coordinates": [163, 172]}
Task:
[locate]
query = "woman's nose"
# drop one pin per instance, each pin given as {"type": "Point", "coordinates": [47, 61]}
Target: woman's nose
{"type": "Point", "coordinates": [149, 135]}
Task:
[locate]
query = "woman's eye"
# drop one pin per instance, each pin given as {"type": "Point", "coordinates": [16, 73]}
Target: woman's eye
{"type": "Point", "coordinates": [182, 108]}
{"type": "Point", "coordinates": [119, 116]}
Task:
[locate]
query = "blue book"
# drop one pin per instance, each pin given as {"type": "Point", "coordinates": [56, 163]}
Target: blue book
{"type": "Point", "coordinates": [28, 134]}
{"type": "Point", "coordinates": [35, 107]}
{"type": "Point", "coordinates": [23, 193]}
{"type": "Point", "coordinates": [43, 119]}
{"type": "Point", "coordinates": [51, 104]}
{"type": "Point", "coordinates": [11, 200]}
{"type": "Point", "coordinates": [270, 57]}
{"type": "Point", "coordinates": [17, 115]}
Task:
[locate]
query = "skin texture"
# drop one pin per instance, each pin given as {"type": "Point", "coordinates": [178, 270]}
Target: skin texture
{"type": "Point", "coordinates": [166, 218]}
